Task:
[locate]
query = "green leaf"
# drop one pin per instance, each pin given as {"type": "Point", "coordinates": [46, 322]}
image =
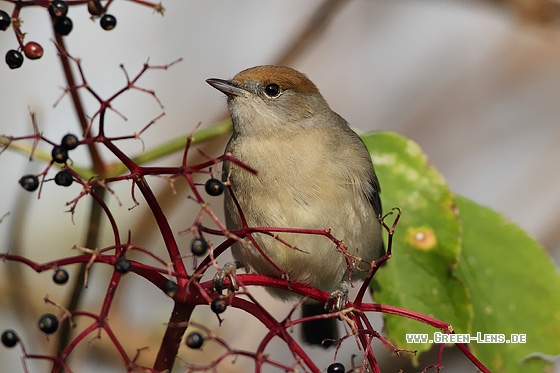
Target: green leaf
{"type": "Point", "coordinates": [514, 287]}
{"type": "Point", "coordinates": [421, 274]}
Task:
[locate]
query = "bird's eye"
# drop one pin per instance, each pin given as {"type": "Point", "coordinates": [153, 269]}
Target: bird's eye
{"type": "Point", "coordinates": [272, 90]}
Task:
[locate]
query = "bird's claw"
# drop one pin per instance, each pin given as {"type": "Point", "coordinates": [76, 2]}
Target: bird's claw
{"type": "Point", "coordinates": [337, 299]}
{"type": "Point", "coordinates": [227, 271]}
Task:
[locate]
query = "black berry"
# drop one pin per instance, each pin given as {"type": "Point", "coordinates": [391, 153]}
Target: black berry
{"type": "Point", "coordinates": [63, 26]}
{"type": "Point", "coordinates": [29, 182]}
{"type": "Point", "coordinates": [122, 265]}
{"type": "Point", "coordinates": [214, 187]}
{"type": "Point", "coordinates": [60, 276]}
{"type": "Point", "coordinates": [9, 338]}
{"type": "Point", "coordinates": [63, 178]}
{"type": "Point", "coordinates": [58, 9]}
{"type": "Point", "coordinates": [14, 59]}
{"type": "Point", "coordinates": [48, 323]}
{"type": "Point", "coordinates": [336, 368]}
{"type": "Point", "coordinates": [5, 20]}
{"type": "Point", "coordinates": [199, 246]}
{"type": "Point", "coordinates": [33, 50]}
{"type": "Point", "coordinates": [59, 154]}
{"type": "Point", "coordinates": [108, 22]}
{"type": "Point", "coordinates": [170, 288]}
{"type": "Point", "coordinates": [70, 142]}
{"type": "Point", "coordinates": [195, 340]}
{"type": "Point", "coordinates": [218, 305]}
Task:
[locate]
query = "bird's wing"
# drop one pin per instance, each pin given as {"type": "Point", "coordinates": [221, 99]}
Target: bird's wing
{"type": "Point", "coordinates": [372, 190]}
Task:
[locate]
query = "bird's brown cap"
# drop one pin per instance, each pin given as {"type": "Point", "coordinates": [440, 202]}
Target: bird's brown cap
{"type": "Point", "coordinates": [286, 77]}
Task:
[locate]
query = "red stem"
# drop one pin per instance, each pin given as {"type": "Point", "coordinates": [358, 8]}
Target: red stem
{"type": "Point", "coordinates": [173, 335]}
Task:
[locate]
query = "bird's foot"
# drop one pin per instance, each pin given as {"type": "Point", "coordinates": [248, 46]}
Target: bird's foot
{"type": "Point", "coordinates": [227, 271]}
{"type": "Point", "coordinates": [337, 299]}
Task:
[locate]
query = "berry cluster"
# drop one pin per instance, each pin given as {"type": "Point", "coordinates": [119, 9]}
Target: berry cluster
{"type": "Point", "coordinates": [59, 154]}
{"type": "Point", "coordinates": [48, 324]}
{"type": "Point", "coordinates": [199, 246]}
{"type": "Point", "coordinates": [62, 24]}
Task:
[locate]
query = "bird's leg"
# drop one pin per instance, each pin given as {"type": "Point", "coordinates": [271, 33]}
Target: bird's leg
{"type": "Point", "coordinates": [227, 271]}
{"type": "Point", "coordinates": [338, 298]}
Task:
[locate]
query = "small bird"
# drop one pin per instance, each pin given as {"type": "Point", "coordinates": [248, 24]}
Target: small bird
{"type": "Point", "coordinates": [314, 172]}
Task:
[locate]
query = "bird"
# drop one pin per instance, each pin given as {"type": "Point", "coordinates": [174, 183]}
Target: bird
{"type": "Point", "coordinates": [313, 172]}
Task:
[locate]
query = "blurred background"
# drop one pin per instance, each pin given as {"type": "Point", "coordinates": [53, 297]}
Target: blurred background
{"type": "Point", "coordinates": [475, 83]}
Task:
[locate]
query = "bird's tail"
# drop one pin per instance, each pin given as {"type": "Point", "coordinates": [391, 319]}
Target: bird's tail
{"type": "Point", "coordinates": [319, 332]}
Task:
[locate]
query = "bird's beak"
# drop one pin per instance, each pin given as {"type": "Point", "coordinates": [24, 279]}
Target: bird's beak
{"type": "Point", "coordinates": [226, 86]}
